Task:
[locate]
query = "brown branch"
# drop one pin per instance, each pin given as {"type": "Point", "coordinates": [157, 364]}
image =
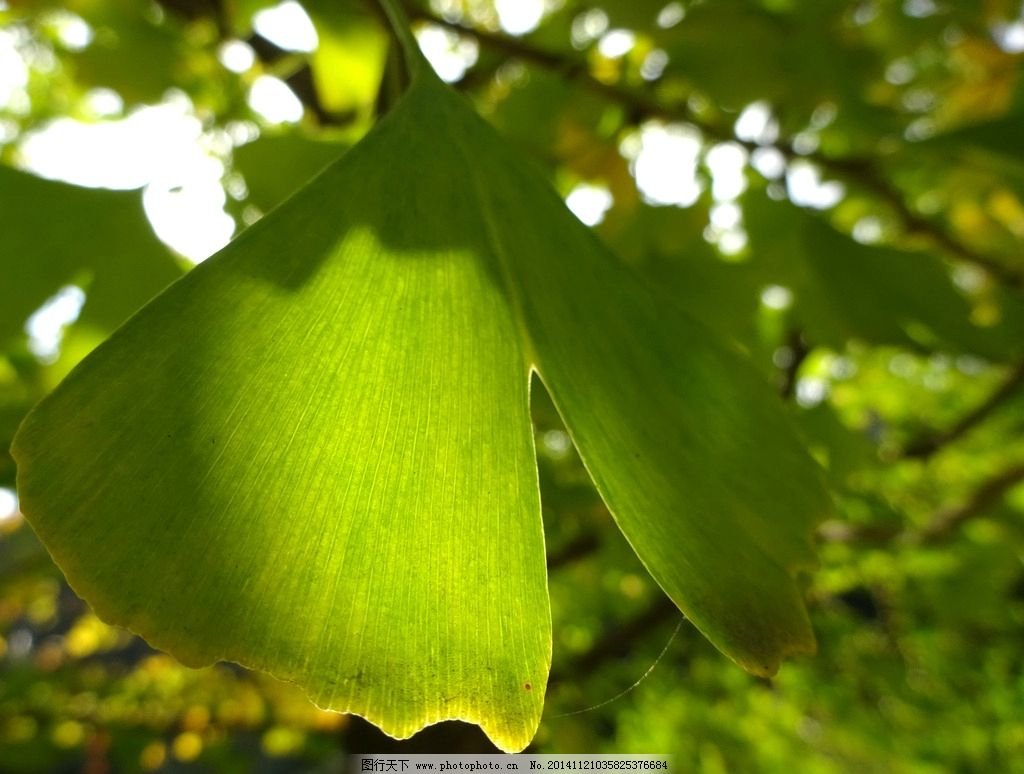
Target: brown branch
{"type": "Point", "coordinates": [301, 82]}
{"type": "Point", "coordinates": [576, 68]}
{"type": "Point", "coordinates": [867, 534]}
{"type": "Point", "coordinates": [198, 9]}
{"type": "Point", "coordinates": [926, 445]}
{"type": "Point", "coordinates": [799, 350]}
{"type": "Point", "coordinates": [942, 525]}
{"type": "Point", "coordinates": [863, 172]}
{"type": "Point", "coordinates": [945, 522]}
{"type": "Point", "coordinates": [572, 550]}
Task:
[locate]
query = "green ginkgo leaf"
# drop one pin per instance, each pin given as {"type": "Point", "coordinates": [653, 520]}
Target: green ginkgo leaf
{"type": "Point", "coordinates": [313, 454]}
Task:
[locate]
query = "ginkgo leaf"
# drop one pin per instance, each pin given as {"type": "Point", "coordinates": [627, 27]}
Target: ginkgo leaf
{"type": "Point", "coordinates": [683, 439]}
{"type": "Point", "coordinates": [879, 294]}
{"type": "Point", "coordinates": [313, 454]}
{"type": "Point", "coordinates": [276, 166]}
{"type": "Point", "coordinates": [101, 237]}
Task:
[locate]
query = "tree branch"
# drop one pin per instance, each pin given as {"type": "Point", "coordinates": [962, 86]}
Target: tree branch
{"type": "Point", "coordinates": [943, 524]}
{"type": "Point", "coordinates": [799, 350]}
{"type": "Point", "coordinates": [926, 445]}
{"type": "Point", "coordinates": [576, 68]}
{"type": "Point", "coordinates": [863, 172]}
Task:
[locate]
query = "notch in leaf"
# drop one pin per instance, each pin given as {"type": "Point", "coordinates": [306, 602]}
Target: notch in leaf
{"type": "Point", "coordinates": [313, 454]}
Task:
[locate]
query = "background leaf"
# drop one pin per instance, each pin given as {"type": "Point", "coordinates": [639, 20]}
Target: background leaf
{"type": "Point", "coordinates": [276, 166]}
{"type": "Point", "coordinates": [52, 234]}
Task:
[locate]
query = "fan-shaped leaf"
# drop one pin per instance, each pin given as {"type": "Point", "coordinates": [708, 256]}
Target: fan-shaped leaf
{"type": "Point", "coordinates": [313, 454]}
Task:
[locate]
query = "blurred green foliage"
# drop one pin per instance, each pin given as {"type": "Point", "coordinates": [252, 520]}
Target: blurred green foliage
{"type": "Point", "coordinates": [891, 317]}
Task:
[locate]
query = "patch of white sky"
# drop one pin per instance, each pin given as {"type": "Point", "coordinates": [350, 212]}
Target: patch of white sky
{"type": "Point", "coordinates": [8, 505]}
{"type": "Point", "coordinates": [287, 26]}
{"type": "Point", "coordinates": [1009, 35]}
{"type": "Point", "coordinates": [45, 328]}
{"type": "Point", "coordinates": [164, 149]}
{"type": "Point", "coordinates": [449, 53]}
{"type": "Point", "coordinates": [819, 372]}
{"type": "Point", "coordinates": [13, 72]}
{"type": "Point", "coordinates": [73, 31]}
{"type": "Point", "coordinates": [756, 124]}
{"type": "Point", "coordinates": [666, 163]}
{"type": "Point", "coordinates": [588, 27]}
{"type": "Point", "coordinates": [616, 43]}
{"type": "Point", "coordinates": [654, 64]}
{"type": "Point", "coordinates": [592, 26]}
{"type": "Point", "coordinates": [519, 17]}
{"type": "Point", "coordinates": [727, 163]}
{"type": "Point", "coordinates": [776, 297]}
{"type": "Point", "coordinates": [811, 390]}
{"type": "Point", "coordinates": [664, 160]}
{"type": "Point", "coordinates": [920, 9]}
{"type": "Point", "coordinates": [670, 15]}
{"type": "Point", "coordinates": [589, 202]}
{"type": "Point", "coordinates": [807, 188]}
{"type": "Point", "coordinates": [237, 56]}
{"type": "Point", "coordinates": [274, 100]}
{"type": "Point", "coordinates": [804, 182]}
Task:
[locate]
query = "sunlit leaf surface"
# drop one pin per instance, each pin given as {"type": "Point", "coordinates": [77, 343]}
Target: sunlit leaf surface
{"type": "Point", "coordinates": [318, 458]}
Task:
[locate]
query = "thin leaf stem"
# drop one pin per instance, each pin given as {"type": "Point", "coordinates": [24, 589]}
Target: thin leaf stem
{"type": "Point", "coordinates": [415, 64]}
